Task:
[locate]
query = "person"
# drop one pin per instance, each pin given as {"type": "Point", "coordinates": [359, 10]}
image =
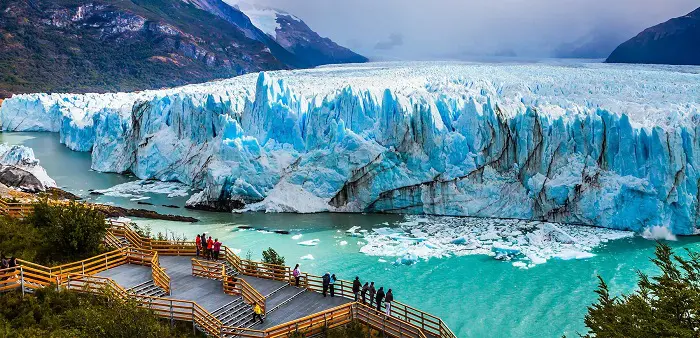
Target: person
{"type": "Point", "coordinates": [332, 285]}
{"type": "Point", "coordinates": [387, 301]}
{"type": "Point", "coordinates": [356, 286]}
{"type": "Point", "coordinates": [204, 245]}
{"type": "Point", "coordinates": [372, 291]}
{"type": "Point", "coordinates": [364, 293]}
{"type": "Point", "coordinates": [12, 263]}
{"type": "Point", "coordinates": [326, 282]}
{"type": "Point", "coordinates": [210, 248]}
{"type": "Point", "coordinates": [199, 244]}
{"type": "Point", "coordinates": [296, 273]}
{"type": "Point", "coordinates": [4, 264]}
{"type": "Point", "coordinates": [217, 248]}
{"type": "Point", "coordinates": [380, 297]}
{"type": "Point", "coordinates": [257, 312]}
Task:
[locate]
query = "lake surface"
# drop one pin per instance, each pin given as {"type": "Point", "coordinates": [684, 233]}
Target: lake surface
{"type": "Point", "coordinates": [477, 296]}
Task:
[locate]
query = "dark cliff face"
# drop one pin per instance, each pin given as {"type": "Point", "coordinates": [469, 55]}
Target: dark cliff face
{"type": "Point", "coordinates": [112, 45]}
{"type": "Point", "coordinates": [674, 42]}
{"type": "Point", "coordinates": [307, 45]}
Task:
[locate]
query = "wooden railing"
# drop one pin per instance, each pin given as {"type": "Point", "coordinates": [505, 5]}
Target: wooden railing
{"type": "Point", "coordinates": [250, 295]}
{"type": "Point", "coordinates": [160, 278]}
{"type": "Point", "coordinates": [15, 209]}
{"type": "Point", "coordinates": [430, 324]}
{"type": "Point", "coordinates": [316, 323]}
{"type": "Point", "coordinates": [208, 269]}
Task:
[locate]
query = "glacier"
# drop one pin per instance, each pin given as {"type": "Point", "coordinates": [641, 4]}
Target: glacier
{"type": "Point", "coordinates": [21, 170]}
{"type": "Point", "coordinates": [591, 144]}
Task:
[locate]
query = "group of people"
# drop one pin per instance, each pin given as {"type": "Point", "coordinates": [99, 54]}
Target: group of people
{"type": "Point", "coordinates": [208, 248]}
{"type": "Point", "coordinates": [375, 296]}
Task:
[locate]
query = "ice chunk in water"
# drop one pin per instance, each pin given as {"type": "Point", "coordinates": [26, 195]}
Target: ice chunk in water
{"type": "Point", "coordinates": [313, 242]}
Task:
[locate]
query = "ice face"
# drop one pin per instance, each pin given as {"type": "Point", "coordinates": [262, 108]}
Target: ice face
{"type": "Point", "coordinates": [606, 145]}
{"type": "Point", "coordinates": [22, 157]}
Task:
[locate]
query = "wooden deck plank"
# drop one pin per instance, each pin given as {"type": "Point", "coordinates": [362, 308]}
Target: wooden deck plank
{"type": "Point", "coordinates": [128, 275]}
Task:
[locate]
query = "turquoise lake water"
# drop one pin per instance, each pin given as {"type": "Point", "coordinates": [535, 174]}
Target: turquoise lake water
{"type": "Point", "coordinates": [477, 296]}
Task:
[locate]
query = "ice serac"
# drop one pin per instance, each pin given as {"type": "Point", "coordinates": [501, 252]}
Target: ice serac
{"type": "Point", "coordinates": [605, 145]}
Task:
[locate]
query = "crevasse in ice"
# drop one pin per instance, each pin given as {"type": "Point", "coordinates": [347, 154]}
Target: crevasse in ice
{"type": "Point", "coordinates": [606, 145]}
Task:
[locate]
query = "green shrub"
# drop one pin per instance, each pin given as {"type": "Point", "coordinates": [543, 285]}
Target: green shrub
{"type": "Point", "coordinates": [271, 256]}
{"type": "Point", "coordinates": [69, 231]}
{"type": "Point", "coordinates": [667, 305]}
{"type": "Point", "coordinates": [51, 313]}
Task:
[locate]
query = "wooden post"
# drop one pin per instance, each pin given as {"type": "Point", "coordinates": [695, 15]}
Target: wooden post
{"type": "Point", "coordinates": [194, 322]}
{"type": "Point", "coordinates": [21, 279]}
{"type": "Point", "coordinates": [82, 264]}
{"type": "Point", "coordinates": [172, 320]}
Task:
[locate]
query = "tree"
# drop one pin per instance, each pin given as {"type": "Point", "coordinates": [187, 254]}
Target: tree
{"type": "Point", "coordinates": [69, 231]}
{"type": "Point", "coordinates": [667, 305]}
{"type": "Point", "coordinates": [271, 256]}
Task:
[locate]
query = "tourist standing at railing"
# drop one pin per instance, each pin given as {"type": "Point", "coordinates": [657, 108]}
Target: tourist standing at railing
{"type": "Point", "coordinates": [326, 282]}
{"type": "Point", "coordinates": [356, 286]}
{"type": "Point", "coordinates": [332, 285]}
{"type": "Point", "coordinates": [210, 248]}
{"type": "Point", "coordinates": [217, 248]}
{"type": "Point", "coordinates": [364, 293]}
{"type": "Point", "coordinates": [199, 244]}
{"type": "Point", "coordinates": [387, 301]}
{"type": "Point", "coordinates": [380, 297]}
{"type": "Point", "coordinates": [204, 245]}
{"type": "Point", "coordinates": [372, 291]}
{"type": "Point", "coordinates": [257, 312]}
{"type": "Point", "coordinates": [296, 273]}
{"type": "Point", "coordinates": [4, 264]}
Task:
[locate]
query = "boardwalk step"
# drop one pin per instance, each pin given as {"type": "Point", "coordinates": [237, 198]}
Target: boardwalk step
{"type": "Point", "coordinates": [277, 290]}
{"type": "Point", "coordinates": [147, 289]}
{"type": "Point", "coordinates": [285, 301]}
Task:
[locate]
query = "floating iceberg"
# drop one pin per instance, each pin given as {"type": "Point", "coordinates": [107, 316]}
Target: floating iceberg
{"type": "Point", "coordinates": [615, 146]}
{"type": "Point", "coordinates": [313, 242]}
{"type": "Point", "coordinates": [135, 190]}
{"type": "Point", "coordinates": [530, 242]}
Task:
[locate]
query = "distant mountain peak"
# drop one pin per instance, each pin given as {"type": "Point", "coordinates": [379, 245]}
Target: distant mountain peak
{"type": "Point", "coordinates": [675, 42]}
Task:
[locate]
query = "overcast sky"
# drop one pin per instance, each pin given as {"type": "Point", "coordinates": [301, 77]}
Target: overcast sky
{"type": "Point", "coordinates": [443, 29]}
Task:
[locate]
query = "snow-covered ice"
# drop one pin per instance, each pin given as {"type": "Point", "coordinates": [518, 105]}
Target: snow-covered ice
{"type": "Point", "coordinates": [308, 257]}
{"type": "Point", "coordinates": [313, 242]}
{"type": "Point", "coordinates": [614, 146]}
{"type": "Point", "coordinates": [136, 189]}
{"type": "Point", "coordinates": [530, 242]}
{"type": "Point", "coordinates": [22, 157]}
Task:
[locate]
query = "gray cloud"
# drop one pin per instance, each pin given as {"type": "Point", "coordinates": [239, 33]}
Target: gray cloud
{"type": "Point", "coordinates": [444, 29]}
{"type": "Point", "coordinates": [395, 40]}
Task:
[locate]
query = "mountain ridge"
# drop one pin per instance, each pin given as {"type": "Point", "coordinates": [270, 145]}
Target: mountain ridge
{"type": "Point", "coordinates": [674, 42]}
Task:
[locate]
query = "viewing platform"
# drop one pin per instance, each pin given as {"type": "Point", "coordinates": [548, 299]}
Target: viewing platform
{"type": "Point", "coordinates": [217, 297]}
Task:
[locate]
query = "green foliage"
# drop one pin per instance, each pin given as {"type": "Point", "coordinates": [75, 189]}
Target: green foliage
{"type": "Point", "coordinates": [271, 256]}
{"type": "Point", "coordinates": [667, 305]}
{"type": "Point", "coordinates": [69, 231]}
{"type": "Point", "coordinates": [54, 233]}
{"type": "Point", "coordinates": [51, 313]}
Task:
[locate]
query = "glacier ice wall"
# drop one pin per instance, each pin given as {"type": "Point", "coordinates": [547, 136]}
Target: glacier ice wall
{"type": "Point", "coordinates": [604, 145]}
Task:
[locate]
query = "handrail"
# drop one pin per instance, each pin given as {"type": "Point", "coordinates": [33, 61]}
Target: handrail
{"type": "Point", "coordinates": [425, 321]}
{"type": "Point", "coordinates": [160, 278]}
{"type": "Point", "coordinates": [250, 295]}
{"type": "Point", "coordinates": [208, 269]}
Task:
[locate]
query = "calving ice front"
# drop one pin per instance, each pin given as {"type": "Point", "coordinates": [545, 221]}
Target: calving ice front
{"type": "Point", "coordinates": [605, 145]}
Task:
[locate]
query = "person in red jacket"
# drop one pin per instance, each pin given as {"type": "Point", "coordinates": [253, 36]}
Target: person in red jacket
{"type": "Point", "coordinates": [199, 244]}
{"type": "Point", "coordinates": [217, 247]}
{"type": "Point", "coordinates": [210, 248]}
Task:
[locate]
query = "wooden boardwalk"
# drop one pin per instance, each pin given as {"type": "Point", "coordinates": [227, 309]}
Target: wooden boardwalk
{"type": "Point", "coordinates": [217, 297]}
{"type": "Point", "coordinates": [293, 302]}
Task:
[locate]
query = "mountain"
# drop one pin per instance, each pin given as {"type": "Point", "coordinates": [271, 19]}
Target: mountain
{"type": "Point", "coordinates": [294, 35]}
{"type": "Point", "coordinates": [675, 42]}
{"type": "Point", "coordinates": [117, 45]}
{"type": "Point", "coordinates": [127, 45]}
